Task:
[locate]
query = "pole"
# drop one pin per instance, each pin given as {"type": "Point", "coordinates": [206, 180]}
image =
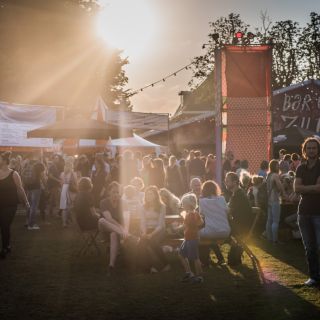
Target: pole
{"type": "Point", "coordinates": [218, 117]}
{"type": "Point", "coordinates": [271, 128]}
{"type": "Point", "coordinates": [168, 134]}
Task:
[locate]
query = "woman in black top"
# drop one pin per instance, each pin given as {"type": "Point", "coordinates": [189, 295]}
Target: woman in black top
{"type": "Point", "coordinates": [157, 173]}
{"type": "Point", "coordinates": [184, 176]}
{"type": "Point", "coordinates": [86, 215]}
{"type": "Point", "coordinates": [10, 191]}
{"type": "Point", "coordinates": [174, 180]}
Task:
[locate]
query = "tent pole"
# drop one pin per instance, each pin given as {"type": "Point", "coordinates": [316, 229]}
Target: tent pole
{"type": "Point", "coordinates": [168, 134]}
{"type": "Point", "coordinates": [218, 115]}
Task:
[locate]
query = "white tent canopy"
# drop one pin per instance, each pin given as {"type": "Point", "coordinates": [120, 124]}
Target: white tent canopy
{"type": "Point", "coordinates": [133, 142]}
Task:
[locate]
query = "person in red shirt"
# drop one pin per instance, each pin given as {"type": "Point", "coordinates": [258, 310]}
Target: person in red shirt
{"type": "Point", "coordinates": [189, 250]}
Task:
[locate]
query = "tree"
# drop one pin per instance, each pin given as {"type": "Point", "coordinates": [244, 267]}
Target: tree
{"type": "Point", "coordinates": [310, 48]}
{"type": "Point", "coordinates": [49, 54]}
{"type": "Point", "coordinates": [295, 54]}
{"type": "Point", "coordinates": [114, 81]}
{"type": "Point", "coordinates": [285, 36]}
{"type": "Point", "coordinates": [222, 32]}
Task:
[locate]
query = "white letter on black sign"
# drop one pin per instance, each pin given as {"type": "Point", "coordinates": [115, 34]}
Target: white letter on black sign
{"type": "Point", "coordinates": [293, 120]}
{"type": "Point", "coordinates": [296, 103]}
{"type": "Point", "coordinates": [305, 103]}
{"type": "Point", "coordinates": [286, 103]}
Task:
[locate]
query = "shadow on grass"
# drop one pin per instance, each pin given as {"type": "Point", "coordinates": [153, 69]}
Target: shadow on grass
{"type": "Point", "coordinates": [43, 280]}
{"type": "Point", "coordinates": [291, 253]}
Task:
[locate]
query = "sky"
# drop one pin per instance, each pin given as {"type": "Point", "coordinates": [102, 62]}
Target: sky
{"type": "Point", "coordinates": [177, 29]}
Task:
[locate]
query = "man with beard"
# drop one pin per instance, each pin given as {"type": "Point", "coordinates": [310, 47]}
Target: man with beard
{"type": "Point", "coordinates": [307, 184]}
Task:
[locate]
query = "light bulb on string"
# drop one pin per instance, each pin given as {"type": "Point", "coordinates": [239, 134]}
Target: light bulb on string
{"type": "Point", "coordinates": [163, 79]}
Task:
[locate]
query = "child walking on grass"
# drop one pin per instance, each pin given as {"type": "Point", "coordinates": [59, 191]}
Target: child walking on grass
{"type": "Point", "coordinates": [189, 250]}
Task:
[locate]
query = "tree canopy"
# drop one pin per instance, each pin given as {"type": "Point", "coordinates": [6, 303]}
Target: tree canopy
{"type": "Point", "coordinates": [296, 50]}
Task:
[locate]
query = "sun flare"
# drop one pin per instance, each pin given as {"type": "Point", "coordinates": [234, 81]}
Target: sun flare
{"type": "Point", "coordinates": [126, 24]}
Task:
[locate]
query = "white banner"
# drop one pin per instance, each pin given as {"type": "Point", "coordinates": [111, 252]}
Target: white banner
{"type": "Point", "coordinates": [134, 120]}
{"type": "Point", "coordinates": [17, 120]}
{"type": "Point", "coordinates": [138, 120]}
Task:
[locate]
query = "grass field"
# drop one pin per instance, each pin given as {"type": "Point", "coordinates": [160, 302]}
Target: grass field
{"type": "Point", "coordinates": [43, 279]}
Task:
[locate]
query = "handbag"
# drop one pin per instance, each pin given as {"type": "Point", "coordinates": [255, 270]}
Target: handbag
{"type": "Point", "coordinates": [235, 256]}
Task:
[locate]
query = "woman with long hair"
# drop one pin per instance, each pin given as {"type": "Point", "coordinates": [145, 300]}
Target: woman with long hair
{"type": "Point", "coordinates": [68, 191]}
{"type": "Point", "coordinates": [85, 212]}
{"type": "Point", "coordinates": [11, 190]}
{"type": "Point", "coordinates": [275, 190]}
{"type": "Point", "coordinates": [157, 173]}
{"type": "Point", "coordinates": [171, 202]}
{"type": "Point", "coordinates": [153, 227]}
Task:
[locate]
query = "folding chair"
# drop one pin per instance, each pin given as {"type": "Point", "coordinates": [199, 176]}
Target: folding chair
{"type": "Point", "coordinates": [89, 241]}
{"type": "Point", "coordinates": [255, 261]}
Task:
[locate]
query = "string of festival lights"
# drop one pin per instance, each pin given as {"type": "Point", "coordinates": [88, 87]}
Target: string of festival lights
{"type": "Point", "coordinates": [173, 74]}
{"type": "Point", "coordinates": [239, 39]}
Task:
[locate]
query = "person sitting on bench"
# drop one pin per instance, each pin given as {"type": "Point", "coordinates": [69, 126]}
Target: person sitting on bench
{"type": "Point", "coordinates": [213, 208]}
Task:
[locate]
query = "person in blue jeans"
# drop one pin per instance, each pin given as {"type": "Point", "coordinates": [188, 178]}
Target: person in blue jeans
{"type": "Point", "coordinates": [33, 194]}
{"type": "Point", "coordinates": [275, 190]}
{"type": "Point", "coordinates": [307, 184]}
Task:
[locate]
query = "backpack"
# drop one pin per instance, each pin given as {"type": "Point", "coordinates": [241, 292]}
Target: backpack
{"type": "Point", "coordinates": [263, 197]}
{"type": "Point", "coordinates": [28, 175]}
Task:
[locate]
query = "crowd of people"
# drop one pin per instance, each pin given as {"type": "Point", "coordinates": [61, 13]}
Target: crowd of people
{"type": "Point", "coordinates": [110, 194]}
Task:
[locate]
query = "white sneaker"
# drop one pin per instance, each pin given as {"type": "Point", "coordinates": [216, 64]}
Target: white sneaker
{"type": "Point", "coordinates": [296, 234]}
{"type": "Point", "coordinates": [153, 270]}
{"type": "Point", "coordinates": [310, 283]}
{"type": "Point", "coordinates": [34, 227]}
